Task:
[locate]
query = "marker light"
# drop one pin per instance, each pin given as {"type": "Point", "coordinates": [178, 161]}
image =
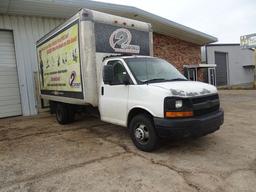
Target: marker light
{"type": "Point", "coordinates": [174, 114]}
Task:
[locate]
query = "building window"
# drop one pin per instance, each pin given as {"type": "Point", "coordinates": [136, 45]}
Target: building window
{"type": "Point", "coordinates": [191, 74]}
{"type": "Point", "coordinates": [211, 76]}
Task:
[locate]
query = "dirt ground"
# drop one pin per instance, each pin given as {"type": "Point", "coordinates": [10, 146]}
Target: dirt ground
{"type": "Point", "coordinates": [37, 154]}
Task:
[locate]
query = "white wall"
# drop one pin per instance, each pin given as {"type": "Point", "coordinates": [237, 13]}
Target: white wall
{"type": "Point", "coordinates": [26, 31]}
{"type": "Point", "coordinates": [237, 57]}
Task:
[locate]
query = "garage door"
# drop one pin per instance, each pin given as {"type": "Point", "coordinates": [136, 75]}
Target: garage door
{"type": "Point", "coordinates": [10, 104]}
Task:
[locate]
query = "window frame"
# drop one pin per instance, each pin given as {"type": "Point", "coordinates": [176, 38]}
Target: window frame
{"type": "Point", "coordinates": [123, 64]}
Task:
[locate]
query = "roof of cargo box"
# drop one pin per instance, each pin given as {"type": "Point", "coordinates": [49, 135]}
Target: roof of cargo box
{"type": "Point", "coordinates": [67, 8]}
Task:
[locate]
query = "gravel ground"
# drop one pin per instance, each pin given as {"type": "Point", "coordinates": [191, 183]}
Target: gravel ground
{"type": "Point", "coordinates": [37, 154]}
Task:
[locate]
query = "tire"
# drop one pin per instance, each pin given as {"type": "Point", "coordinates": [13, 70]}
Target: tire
{"type": "Point", "coordinates": [71, 114]}
{"type": "Point", "coordinates": [142, 132]}
{"type": "Point", "coordinates": [52, 107]}
{"type": "Point", "coordinates": [62, 114]}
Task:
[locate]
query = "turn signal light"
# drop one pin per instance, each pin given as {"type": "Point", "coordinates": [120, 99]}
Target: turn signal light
{"type": "Point", "coordinates": [173, 114]}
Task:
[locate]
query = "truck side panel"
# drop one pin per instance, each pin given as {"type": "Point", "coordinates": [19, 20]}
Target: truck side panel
{"type": "Point", "coordinates": [60, 64]}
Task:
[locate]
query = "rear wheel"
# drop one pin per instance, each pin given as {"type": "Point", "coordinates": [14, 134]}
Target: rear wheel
{"type": "Point", "coordinates": [62, 114]}
{"type": "Point", "coordinates": [142, 132]}
{"type": "Point", "coordinates": [71, 114]}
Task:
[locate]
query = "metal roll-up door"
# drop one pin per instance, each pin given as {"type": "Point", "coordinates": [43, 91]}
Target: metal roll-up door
{"type": "Point", "coordinates": [10, 104]}
{"type": "Point", "coordinates": [221, 69]}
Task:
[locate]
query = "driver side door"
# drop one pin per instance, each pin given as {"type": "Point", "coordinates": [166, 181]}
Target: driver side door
{"type": "Point", "coordinates": [114, 96]}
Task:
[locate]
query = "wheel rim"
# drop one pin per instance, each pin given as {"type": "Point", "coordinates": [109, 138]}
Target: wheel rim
{"type": "Point", "coordinates": [141, 134]}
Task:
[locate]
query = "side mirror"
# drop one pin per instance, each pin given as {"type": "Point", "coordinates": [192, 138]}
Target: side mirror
{"type": "Point", "coordinates": [108, 74]}
{"type": "Point", "coordinates": [126, 78]}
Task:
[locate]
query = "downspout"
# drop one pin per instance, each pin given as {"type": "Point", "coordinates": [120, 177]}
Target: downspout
{"type": "Point", "coordinates": [206, 56]}
{"type": "Point", "coordinates": [254, 83]}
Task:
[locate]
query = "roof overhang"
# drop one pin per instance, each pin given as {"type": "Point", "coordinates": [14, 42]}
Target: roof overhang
{"type": "Point", "coordinates": [65, 9]}
{"type": "Point", "coordinates": [200, 66]}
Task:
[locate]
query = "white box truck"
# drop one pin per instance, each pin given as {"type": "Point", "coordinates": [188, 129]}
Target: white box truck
{"type": "Point", "coordinates": [105, 61]}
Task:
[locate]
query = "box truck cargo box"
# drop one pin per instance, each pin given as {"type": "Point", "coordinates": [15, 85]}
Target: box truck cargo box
{"type": "Point", "coordinates": [107, 62]}
{"type": "Point", "coordinates": [70, 57]}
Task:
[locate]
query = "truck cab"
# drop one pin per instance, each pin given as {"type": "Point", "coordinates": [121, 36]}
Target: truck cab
{"type": "Point", "coordinates": [154, 100]}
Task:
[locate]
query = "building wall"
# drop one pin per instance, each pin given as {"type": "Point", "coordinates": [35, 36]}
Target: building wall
{"type": "Point", "coordinates": [237, 57]}
{"type": "Point", "coordinates": [176, 51]}
{"type": "Point", "coordinates": [26, 31]}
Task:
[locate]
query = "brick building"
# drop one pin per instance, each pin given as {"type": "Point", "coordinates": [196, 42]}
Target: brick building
{"type": "Point", "coordinates": [176, 51]}
{"type": "Point", "coordinates": [23, 22]}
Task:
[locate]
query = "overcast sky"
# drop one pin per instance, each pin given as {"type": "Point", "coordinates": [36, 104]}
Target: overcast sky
{"type": "Point", "coordinates": [225, 19]}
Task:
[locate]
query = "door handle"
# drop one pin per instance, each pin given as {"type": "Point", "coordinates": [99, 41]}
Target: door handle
{"type": "Point", "coordinates": [102, 90]}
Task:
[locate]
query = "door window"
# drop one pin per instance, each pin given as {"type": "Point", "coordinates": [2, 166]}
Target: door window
{"type": "Point", "coordinates": [119, 72]}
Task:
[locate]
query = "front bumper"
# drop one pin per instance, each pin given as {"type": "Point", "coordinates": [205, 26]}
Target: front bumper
{"type": "Point", "coordinates": [195, 126]}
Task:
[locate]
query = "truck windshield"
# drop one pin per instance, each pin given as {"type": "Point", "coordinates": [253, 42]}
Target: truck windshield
{"type": "Point", "coordinates": [153, 70]}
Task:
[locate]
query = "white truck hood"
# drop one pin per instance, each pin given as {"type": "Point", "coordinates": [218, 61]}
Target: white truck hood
{"type": "Point", "coordinates": [186, 88]}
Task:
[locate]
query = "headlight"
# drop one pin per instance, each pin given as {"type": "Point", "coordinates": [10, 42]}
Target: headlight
{"type": "Point", "coordinates": [178, 104]}
{"type": "Point", "coordinates": [177, 107]}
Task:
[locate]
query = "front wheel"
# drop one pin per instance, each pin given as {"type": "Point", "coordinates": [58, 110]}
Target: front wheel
{"type": "Point", "coordinates": [142, 132]}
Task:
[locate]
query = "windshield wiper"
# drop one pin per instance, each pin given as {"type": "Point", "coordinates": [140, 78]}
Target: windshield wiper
{"type": "Point", "coordinates": [154, 80]}
{"type": "Point", "coordinates": [162, 79]}
{"type": "Point", "coordinates": [177, 79]}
